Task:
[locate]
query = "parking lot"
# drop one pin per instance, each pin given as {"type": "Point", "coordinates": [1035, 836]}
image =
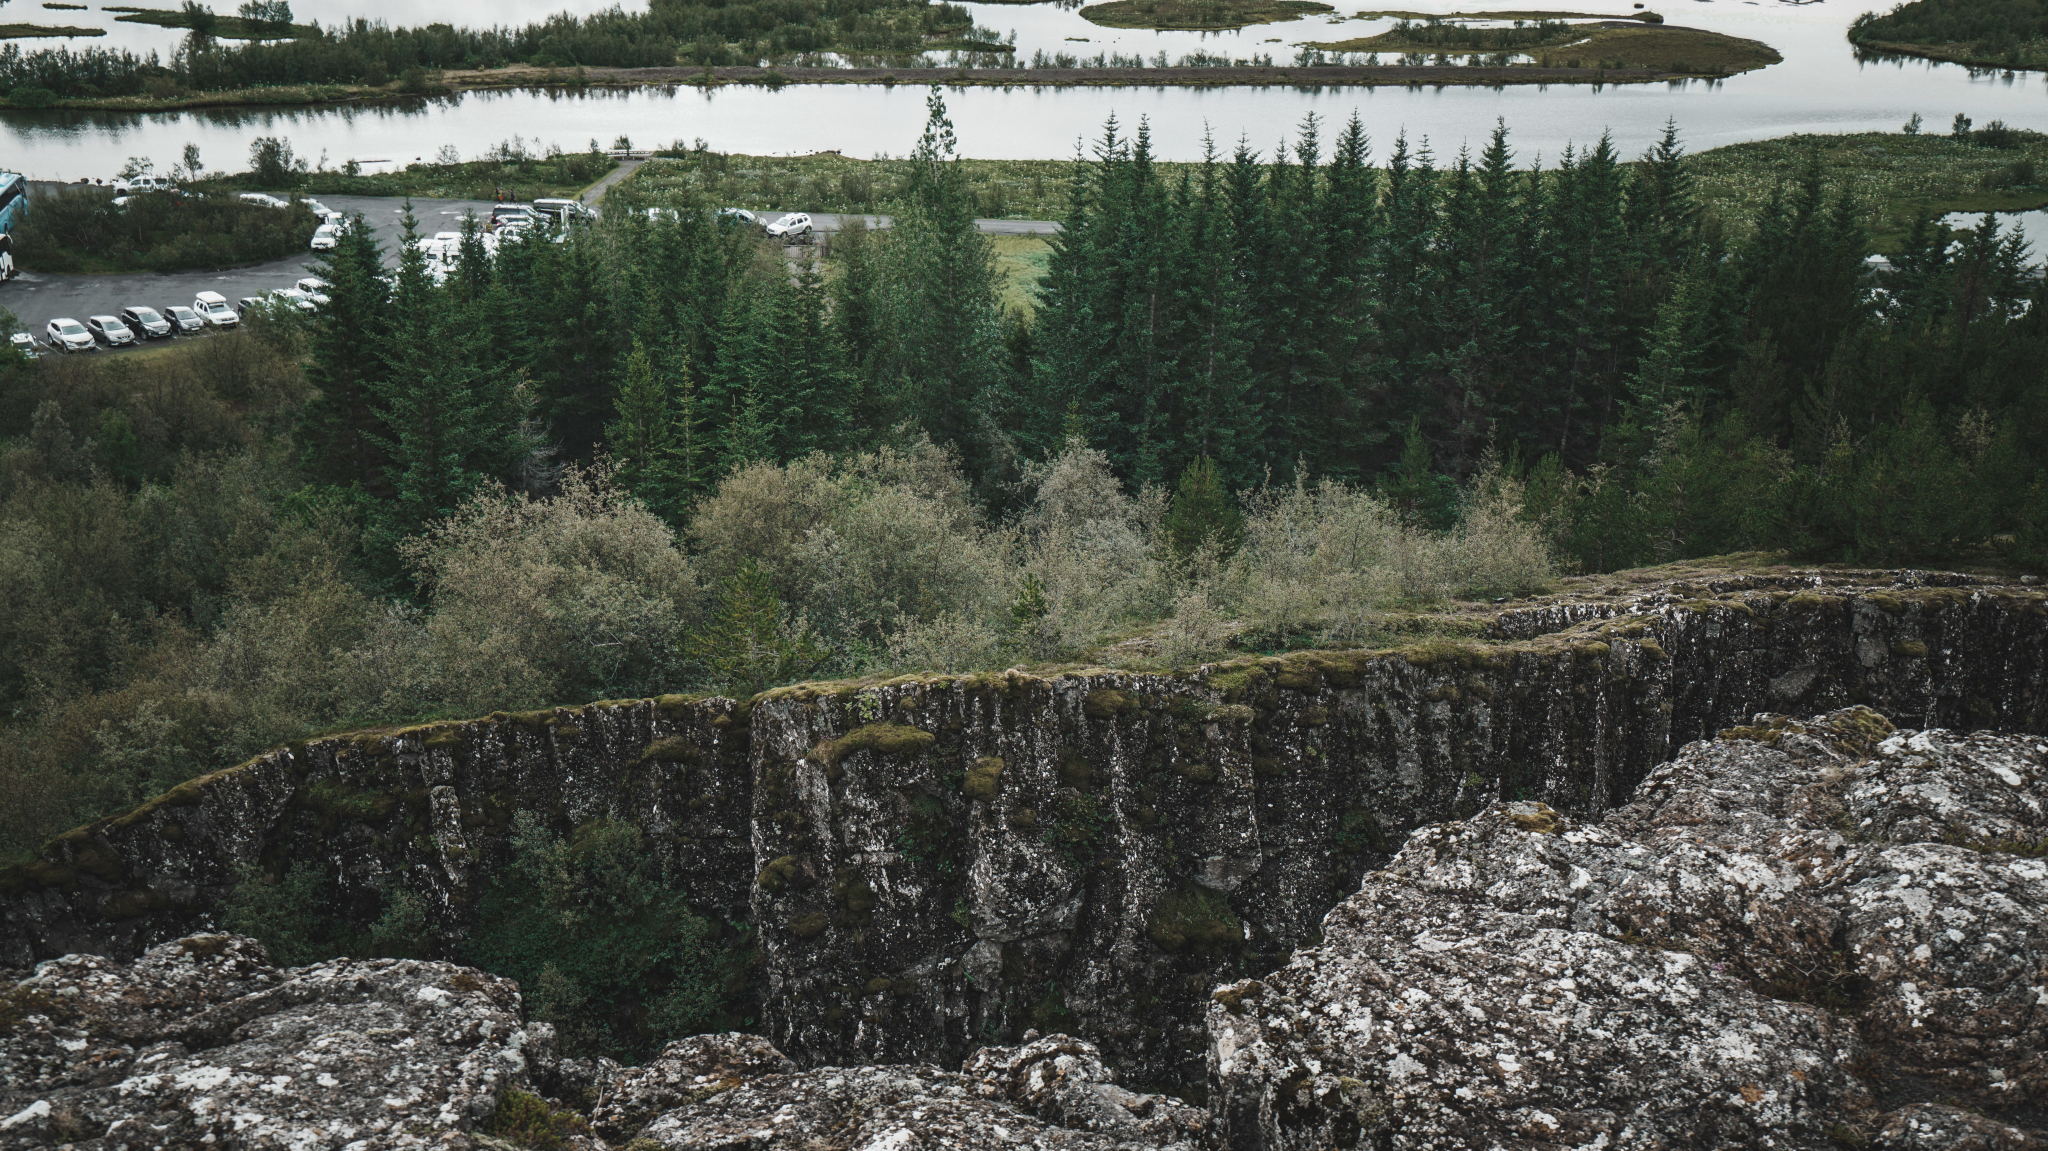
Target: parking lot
{"type": "Point", "coordinates": [36, 299]}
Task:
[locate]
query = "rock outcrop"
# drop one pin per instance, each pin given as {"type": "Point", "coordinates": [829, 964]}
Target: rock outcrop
{"type": "Point", "coordinates": [202, 1043]}
{"type": "Point", "coordinates": [1805, 935]}
{"type": "Point", "coordinates": [933, 863]}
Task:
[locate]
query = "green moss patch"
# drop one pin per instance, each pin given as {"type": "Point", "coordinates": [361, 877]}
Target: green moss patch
{"type": "Point", "coordinates": [984, 779]}
{"type": "Point", "coordinates": [1108, 703]}
{"type": "Point", "coordinates": [777, 874]}
{"type": "Point", "coordinates": [1196, 920]}
{"type": "Point", "coordinates": [672, 749]}
{"type": "Point", "coordinates": [887, 738]}
{"type": "Point", "coordinates": [809, 925]}
{"type": "Point", "coordinates": [526, 1120]}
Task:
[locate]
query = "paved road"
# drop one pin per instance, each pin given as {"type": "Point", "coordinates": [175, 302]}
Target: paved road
{"type": "Point", "coordinates": [36, 299]}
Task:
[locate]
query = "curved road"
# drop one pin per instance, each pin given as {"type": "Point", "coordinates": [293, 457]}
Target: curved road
{"type": "Point", "coordinates": [36, 299]}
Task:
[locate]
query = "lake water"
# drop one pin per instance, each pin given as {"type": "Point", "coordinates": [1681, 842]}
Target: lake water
{"type": "Point", "coordinates": [1821, 87]}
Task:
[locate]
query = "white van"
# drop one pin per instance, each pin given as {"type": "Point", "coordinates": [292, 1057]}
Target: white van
{"type": "Point", "coordinates": [213, 308]}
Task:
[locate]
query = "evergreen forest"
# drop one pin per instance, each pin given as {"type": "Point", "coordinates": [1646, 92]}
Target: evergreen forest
{"type": "Point", "coordinates": [1267, 401]}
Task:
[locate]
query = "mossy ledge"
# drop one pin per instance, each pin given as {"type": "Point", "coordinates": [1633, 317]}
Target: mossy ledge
{"type": "Point", "coordinates": [868, 829]}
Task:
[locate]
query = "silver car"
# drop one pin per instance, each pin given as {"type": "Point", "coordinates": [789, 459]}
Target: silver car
{"type": "Point", "coordinates": [110, 330]}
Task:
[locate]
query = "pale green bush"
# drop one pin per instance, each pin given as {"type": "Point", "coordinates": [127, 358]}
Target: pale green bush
{"type": "Point", "coordinates": [582, 595]}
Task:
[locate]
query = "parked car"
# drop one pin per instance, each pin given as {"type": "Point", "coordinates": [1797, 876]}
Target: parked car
{"type": "Point", "coordinates": [263, 199]}
{"type": "Point", "coordinates": [146, 184]}
{"type": "Point", "coordinates": [563, 211]}
{"type": "Point", "coordinates": [213, 308]}
{"type": "Point", "coordinates": [321, 210]}
{"type": "Point", "coordinates": [794, 226]}
{"type": "Point", "coordinates": [314, 287]}
{"type": "Point", "coordinates": [146, 323]}
{"type": "Point", "coordinates": [243, 305]}
{"type": "Point", "coordinates": [733, 218]}
{"type": "Point", "coordinates": [296, 298]}
{"type": "Point", "coordinates": [325, 237]}
{"type": "Point", "coordinates": [184, 321]}
{"type": "Point", "coordinates": [501, 214]}
{"type": "Point", "coordinates": [25, 344]}
{"type": "Point", "coordinates": [68, 335]}
{"type": "Point", "coordinates": [112, 331]}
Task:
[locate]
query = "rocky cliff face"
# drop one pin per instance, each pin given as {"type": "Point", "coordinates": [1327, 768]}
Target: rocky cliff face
{"type": "Point", "coordinates": [1805, 935]}
{"type": "Point", "coordinates": [937, 863]}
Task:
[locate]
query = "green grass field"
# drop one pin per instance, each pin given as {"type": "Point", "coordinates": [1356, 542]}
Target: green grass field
{"type": "Point", "coordinates": [1891, 176]}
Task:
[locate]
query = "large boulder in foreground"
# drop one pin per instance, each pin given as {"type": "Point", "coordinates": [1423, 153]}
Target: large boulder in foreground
{"type": "Point", "coordinates": [1805, 935]}
{"type": "Point", "coordinates": [201, 1042]}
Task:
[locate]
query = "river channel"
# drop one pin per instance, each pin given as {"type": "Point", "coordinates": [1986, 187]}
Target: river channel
{"type": "Point", "coordinates": [1820, 87]}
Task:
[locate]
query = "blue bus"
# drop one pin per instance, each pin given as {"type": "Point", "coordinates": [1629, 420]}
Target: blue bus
{"type": "Point", "coordinates": [13, 200]}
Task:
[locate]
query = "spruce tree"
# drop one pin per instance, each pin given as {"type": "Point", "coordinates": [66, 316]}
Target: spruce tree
{"type": "Point", "coordinates": [339, 434]}
{"type": "Point", "coordinates": [946, 361]}
{"type": "Point", "coordinates": [1203, 512]}
{"type": "Point", "coordinates": [447, 429]}
{"type": "Point", "coordinates": [642, 438]}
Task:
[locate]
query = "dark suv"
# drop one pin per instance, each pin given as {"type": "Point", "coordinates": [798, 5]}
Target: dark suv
{"type": "Point", "coordinates": [146, 323]}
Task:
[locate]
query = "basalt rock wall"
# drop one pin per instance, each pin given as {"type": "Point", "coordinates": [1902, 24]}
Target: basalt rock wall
{"type": "Point", "coordinates": [936, 863]}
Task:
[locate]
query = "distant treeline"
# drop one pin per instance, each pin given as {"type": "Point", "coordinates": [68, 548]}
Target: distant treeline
{"type": "Point", "coordinates": [668, 33]}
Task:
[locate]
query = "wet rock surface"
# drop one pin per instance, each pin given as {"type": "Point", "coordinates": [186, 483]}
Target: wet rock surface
{"type": "Point", "coordinates": [1807, 934]}
{"type": "Point", "coordinates": [202, 1043]}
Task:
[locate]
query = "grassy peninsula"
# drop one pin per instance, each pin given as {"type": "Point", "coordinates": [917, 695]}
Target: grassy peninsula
{"type": "Point", "coordinates": [45, 31]}
{"type": "Point", "coordinates": [1980, 33]}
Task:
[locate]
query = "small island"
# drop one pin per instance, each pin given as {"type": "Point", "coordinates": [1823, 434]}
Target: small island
{"type": "Point", "coordinates": [1641, 43]}
{"type": "Point", "coordinates": [2006, 35]}
{"type": "Point", "coordinates": [1198, 15]}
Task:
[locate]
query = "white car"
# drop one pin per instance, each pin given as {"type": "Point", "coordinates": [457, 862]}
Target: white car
{"type": "Point", "coordinates": [68, 335]}
{"type": "Point", "coordinates": [263, 199]}
{"type": "Point", "coordinates": [147, 184]}
{"type": "Point", "coordinates": [213, 308]}
{"type": "Point", "coordinates": [25, 344]}
{"type": "Point", "coordinates": [110, 329]}
{"type": "Point", "coordinates": [792, 226]}
{"type": "Point", "coordinates": [314, 287]}
{"type": "Point", "coordinates": [321, 210]}
{"type": "Point", "coordinates": [325, 237]}
{"type": "Point", "coordinates": [297, 298]}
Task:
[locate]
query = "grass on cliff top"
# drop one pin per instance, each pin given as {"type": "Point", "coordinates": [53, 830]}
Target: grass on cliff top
{"type": "Point", "coordinates": [1198, 15]}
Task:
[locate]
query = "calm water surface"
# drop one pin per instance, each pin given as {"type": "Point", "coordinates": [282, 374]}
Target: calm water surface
{"type": "Point", "coordinates": [1821, 87]}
